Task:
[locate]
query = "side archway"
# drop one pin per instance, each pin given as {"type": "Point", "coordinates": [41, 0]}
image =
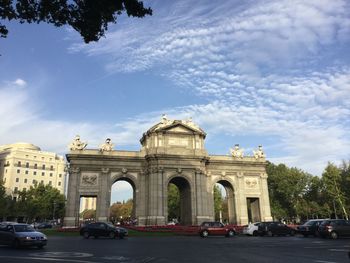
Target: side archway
{"type": "Point", "coordinates": [229, 200]}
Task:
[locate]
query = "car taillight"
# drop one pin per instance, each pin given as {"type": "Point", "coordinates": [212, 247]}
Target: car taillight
{"type": "Point", "coordinates": [329, 228]}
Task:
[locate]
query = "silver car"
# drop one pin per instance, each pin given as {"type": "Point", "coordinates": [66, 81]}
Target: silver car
{"type": "Point", "coordinates": [17, 235]}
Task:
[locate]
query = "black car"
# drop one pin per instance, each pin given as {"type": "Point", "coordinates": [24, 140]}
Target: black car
{"type": "Point", "coordinates": [334, 228]}
{"type": "Point", "coordinates": [275, 228]}
{"type": "Point", "coordinates": [310, 227]}
{"type": "Point", "coordinates": [103, 229]}
{"type": "Point", "coordinates": [18, 235]}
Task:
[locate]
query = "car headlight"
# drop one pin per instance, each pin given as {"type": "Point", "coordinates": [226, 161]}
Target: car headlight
{"type": "Point", "coordinates": [28, 238]}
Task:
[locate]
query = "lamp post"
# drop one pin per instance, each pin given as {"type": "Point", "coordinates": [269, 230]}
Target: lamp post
{"type": "Point", "coordinates": [54, 210]}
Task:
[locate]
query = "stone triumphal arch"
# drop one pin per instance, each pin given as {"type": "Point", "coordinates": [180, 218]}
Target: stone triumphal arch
{"type": "Point", "coordinates": [172, 152]}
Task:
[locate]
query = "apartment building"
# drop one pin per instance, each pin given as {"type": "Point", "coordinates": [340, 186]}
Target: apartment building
{"type": "Point", "coordinates": [24, 164]}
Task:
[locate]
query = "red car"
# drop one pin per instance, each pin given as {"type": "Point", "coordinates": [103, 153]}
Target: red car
{"type": "Point", "coordinates": [216, 229]}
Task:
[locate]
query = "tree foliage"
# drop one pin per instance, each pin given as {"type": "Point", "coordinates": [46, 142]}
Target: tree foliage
{"type": "Point", "coordinates": [218, 202]}
{"type": "Point", "coordinates": [88, 17]}
{"type": "Point", "coordinates": [121, 210]}
{"type": "Point", "coordinates": [173, 202]}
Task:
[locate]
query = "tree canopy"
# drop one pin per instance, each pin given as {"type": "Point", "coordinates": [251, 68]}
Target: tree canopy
{"type": "Point", "coordinates": [88, 17]}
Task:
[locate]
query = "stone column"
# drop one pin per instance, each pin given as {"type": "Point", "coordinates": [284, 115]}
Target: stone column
{"type": "Point", "coordinates": [142, 198]}
{"type": "Point", "coordinates": [202, 198]}
{"type": "Point", "coordinates": [104, 196]}
{"type": "Point", "coordinates": [265, 200]}
{"type": "Point", "coordinates": [156, 211]}
{"type": "Point", "coordinates": [73, 199]}
{"type": "Point", "coordinates": [241, 201]}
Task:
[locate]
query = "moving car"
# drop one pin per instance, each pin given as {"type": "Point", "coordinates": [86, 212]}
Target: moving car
{"type": "Point", "coordinates": [310, 227]}
{"type": "Point", "coordinates": [17, 235]}
{"type": "Point", "coordinates": [216, 229]}
{"type": "Point", "coordinates": [275, 228]}
{"type": "Point", "coordinates": [251, 229]}
{"type": "Point", "coordinates": [44, 225]}
{"type": "Point", "coordinates": [103, 229]}
{"type": "Point", "coordinates": [334, 228]}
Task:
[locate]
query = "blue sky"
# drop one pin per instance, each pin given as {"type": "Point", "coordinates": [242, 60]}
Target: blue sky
{"type": "Point", "coordinates": [275, 73]}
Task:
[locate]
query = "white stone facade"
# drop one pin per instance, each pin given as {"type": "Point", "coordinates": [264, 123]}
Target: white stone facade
{"type": "Point", "coordinates": [23, 164]}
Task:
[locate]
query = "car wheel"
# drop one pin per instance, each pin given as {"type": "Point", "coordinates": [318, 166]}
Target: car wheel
{"type": "Point", "coordinates": [334, 235]}
{"type": "Point", "coordinates": [269, 233]}
{"type": "Point", "coordinates": [230, 233]}
{"type": "Point", "coordinates": [205, 233]}
{"type": "Point", "coordinates": [292, 233]}
{"type": "Point", "coordinates": [86, 235]}
{"type": "Point", "coordinates": [111, 235]}
{"type": "Point", "coordinates": [255, 233]}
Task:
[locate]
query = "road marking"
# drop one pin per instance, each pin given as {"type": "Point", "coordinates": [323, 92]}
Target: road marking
{"type": "Point", "coordinates": [324, 261]}
{"type": "Point", "coordinates": [338, 250]}
{"type": "Point", "coordinates": [49, 259]}
{"type": "Point", "coordinates": [61, 254]}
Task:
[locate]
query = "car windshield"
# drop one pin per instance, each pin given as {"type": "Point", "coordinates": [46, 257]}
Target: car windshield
{"type": "Point", "coordinates": [309, 223]}
{"type": "Point", "coordinates": [23, 228]}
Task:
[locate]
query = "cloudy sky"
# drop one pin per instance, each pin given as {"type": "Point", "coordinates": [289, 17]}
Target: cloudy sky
{"type": "Point", "coordinates": [275, 73]}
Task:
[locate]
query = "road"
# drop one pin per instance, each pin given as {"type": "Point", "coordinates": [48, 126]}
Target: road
{"type": "Point", "coordinates": [184, 249]}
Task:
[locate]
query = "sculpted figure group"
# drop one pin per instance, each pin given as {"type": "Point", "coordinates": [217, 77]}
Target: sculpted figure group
{"type": "Point", "coordinates": [237, 152]}
{"type": "Point", "coordinates": [78, 145]}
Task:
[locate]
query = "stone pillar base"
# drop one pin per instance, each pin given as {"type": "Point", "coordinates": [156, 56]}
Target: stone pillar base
{"type": "Point", "coordinates": [156, 220]}
{"type": "Point", "coordinates": [69, 221]}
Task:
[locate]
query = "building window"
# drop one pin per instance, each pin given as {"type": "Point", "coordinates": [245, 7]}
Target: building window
{"type": "Point", "coordinates": [51, 167]}
{"type": "Point", "coordinates": [59, 183]}
{"type": "Point", "coordinates": [34, 181]}
{"type": "Point", "coordinates": [16, 190]}
{"type": "Point", "coordinates": [17, 180]}
{"type": "Point", "coordinates": [50, 174]}
{"type": "Point", "coordinates": [42, 158]}
{"type": "Point", "coordinates": [34, 157]}
{"type": "Point", "coordinates": [43, 173]}
{"type": "Point", "coordinates": [27, 165]}
{"type": "Point", "coordinates": [5, 180]}
{"type": "Point", "coordinates": [24, 189]}
{"type": "Point", "coordinates": [42, 181]}
{"type": "Point", "coordinates": [60, 175]}
{"type": "Point", "coordinates": [34, 173]}
{"type": "Point", "coordinates": [43, 166]}
{"type": "Point", "coordinates": [35, 166]}
{"type": "Point", "coordinates": [25, 180]}
{"type": "Point", "coordinates": [26, 172]}
{"type": "Point", "coordinates": [5, 171]}
{"type": "Point", "coordinates": [18, 171]}
{"type": "Point", "coordinates": [7, 163]}
{"type": "Point", "coordinates": [19, 164]}
{"type": "Point", "coordinates": [50, 183]}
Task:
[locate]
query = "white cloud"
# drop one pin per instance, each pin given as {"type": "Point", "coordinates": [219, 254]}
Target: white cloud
{"type": "Point", "coordinates": [20, 82]}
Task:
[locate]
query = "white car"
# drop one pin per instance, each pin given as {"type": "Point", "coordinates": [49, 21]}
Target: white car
{"type": "Point", "coordinates": [251, 229]}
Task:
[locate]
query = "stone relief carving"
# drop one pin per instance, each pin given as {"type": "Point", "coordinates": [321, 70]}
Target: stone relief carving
{"type": "Point", "coordinates": [76, 144]}
{"type": "Point", "coordinates": [237, 152]}
{"type": "Point", "coordinates": [259, 153]}
{"type": "Point", "coordinates": [107, 146]}
{"type": "Point", "coordinates": [89, 179]}
{"type": "Point", "coordinates": [124, 170]}
{"type": "Point", "coordinates": [251, 182]}
{"type": "Point", "coordinates": [105, 170]}
{"type": "Point", "coordinates": [73, 170]}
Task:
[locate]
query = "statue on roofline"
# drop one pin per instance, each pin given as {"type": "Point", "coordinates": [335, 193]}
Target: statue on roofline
{"type": "Point", "coordinates": [107, 146]}
{"type": "Point", "coordinates": [237, 152]}
{"type": "Point", "coordinates": [259, 153]}
{"type": "Point", "coordinates": [77, 145]}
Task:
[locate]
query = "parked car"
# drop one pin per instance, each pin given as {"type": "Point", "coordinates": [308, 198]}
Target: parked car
{"type": "Point", "coordinates": [103, 229]}
{"type": "Point", "coordinates": [310, 227]}
{"type": "Point", "coordinates": [17, 235]}
{"type": "Point", "coordinates": [334, 228]}
{"type": "Point", "coordinates": [44, 225]}
{"type": "Point", "coordinates": [275, 228]}
{"type": "Point", "coordinates": [216, 229]}
{"type": "Point", "coordinates": [251, 229]}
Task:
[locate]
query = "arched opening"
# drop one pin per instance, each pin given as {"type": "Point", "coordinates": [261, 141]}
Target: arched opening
{"type": "Point", "coordinates": [224, 202]}
{"type": "Point", "coordinates": [179, 201]}
{"type": "Point", "coordinates": [122, 209]}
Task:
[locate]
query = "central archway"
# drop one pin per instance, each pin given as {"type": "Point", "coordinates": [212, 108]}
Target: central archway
{"type": "Point", "coordinates": [185, 204]}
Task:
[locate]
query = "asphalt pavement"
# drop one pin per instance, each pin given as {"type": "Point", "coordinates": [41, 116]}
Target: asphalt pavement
{"type": "Point", "coordinates": [184, 249]}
